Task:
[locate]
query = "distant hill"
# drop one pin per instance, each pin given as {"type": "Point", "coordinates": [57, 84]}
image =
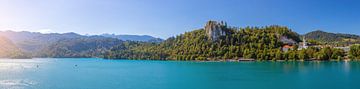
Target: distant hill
{"type": "Point", "coordinates": [51, 45]}
{"type": "Point", "coordinates": [68, 44]}
{"type": "Point", "coordinates": [92, 46]}
{"type": "Point", "coordinates": [327, 37]}
{"type": "Point", "coordinates": [142, 38]}
{"type": "Point", "coordinates": [34, 41]}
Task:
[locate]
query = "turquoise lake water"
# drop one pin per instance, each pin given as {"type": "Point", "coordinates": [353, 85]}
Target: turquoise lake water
{"type": "Point", "coordinates": [93, 73]}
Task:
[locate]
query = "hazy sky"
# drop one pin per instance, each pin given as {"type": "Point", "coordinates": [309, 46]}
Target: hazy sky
{"type": "Point", "coordinates": [165, 18]}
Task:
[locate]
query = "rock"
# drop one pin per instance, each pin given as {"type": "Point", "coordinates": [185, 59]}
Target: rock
{"type": "Point", "coordinates": [214, 30]}
{"type": "Point", "coordinates": [286, 40]}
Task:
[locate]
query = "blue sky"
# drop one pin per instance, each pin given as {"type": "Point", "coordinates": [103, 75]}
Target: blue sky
{"type": "Point", "coordinates": [165, 18]}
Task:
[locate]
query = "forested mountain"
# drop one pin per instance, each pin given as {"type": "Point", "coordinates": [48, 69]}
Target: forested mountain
{"type": "Point", "coordinates": [33, 41]}
{"type": "Point", "coordinates": [332, 38]}
{"type": "Point", "coordinates": [215, 41]}
{"type": "Point", "coordinates": [9, 50]}
{"type": "Point", "coordinates": [142, 38]}
{"type": "Point", "coordinates": [67, 44]}
{"type": "Point", "coordinates": [93, 46]}
{"type": "Point", "coordinates": [60, 45]}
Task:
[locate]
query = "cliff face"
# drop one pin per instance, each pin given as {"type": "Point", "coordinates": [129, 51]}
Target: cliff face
{"type": "Point", "coordinates": [286, 40]}
{"type": "Point", "coordinates": [214, 30]}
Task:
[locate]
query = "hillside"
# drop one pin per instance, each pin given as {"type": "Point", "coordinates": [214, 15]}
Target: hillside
{"type": "Point", "coordinates": [213, 42]}
{"type": "Point", "coordinates": [33, 42]}
{"type": "Point", "coordinates": [60, 45]}
{"type": "Point", "coordinates": [9, 50]}
{"type": "Point", "coordinates": [93, 46]}
{"type": "Point", "coordinates": [332, 38]}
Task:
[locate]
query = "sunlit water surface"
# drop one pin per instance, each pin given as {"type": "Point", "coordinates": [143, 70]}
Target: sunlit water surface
{"type": "Point", "coordinates": [93, 73]}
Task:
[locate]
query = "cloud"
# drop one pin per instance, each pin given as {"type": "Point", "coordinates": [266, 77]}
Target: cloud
{"type": "Point", "coordinates": [44, 31]}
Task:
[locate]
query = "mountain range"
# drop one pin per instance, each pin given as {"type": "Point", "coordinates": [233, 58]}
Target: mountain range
{"type": "Point", "coordinates": [60, 45]}
{"type": "Point", "coordinates": [332, 38]}
{"type": "Point", "coordinates": [213, 41]}
{"type": "Point", "coordinates": [142, 38]}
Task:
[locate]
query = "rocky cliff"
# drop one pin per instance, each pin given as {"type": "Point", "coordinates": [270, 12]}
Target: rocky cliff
{"type": "Point", "coordinates": [214, 30]}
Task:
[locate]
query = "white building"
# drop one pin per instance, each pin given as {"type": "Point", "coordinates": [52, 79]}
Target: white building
{"type": "Point", "coordinates": [303, 45]}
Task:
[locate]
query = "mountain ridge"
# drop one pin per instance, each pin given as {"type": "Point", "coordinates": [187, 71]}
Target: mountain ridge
{"type": "Point", "coordinates": [212, 42]}
{"type": "Point", "coordinates": [142, 38]}
{"type": "Point", "coordinates": [332, 38]}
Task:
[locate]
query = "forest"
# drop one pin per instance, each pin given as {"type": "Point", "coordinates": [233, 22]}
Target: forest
{"type": "Point", "coordinates": [334, 39]}
{"type": "Point", "coordinates": [258, 43]}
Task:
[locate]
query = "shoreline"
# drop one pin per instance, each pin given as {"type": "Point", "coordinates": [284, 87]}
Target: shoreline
{"type": "Point", "coordinates": [245, 60]}
{"type": "Point", "coordinates": [224, 60]}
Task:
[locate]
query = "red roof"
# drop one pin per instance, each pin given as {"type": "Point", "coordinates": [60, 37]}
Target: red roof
{"type": "Point", "coordinates": [287, 46]}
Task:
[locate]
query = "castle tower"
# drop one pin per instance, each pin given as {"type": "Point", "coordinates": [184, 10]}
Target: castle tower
{"type": "Point", "coordinates": [305, 46]}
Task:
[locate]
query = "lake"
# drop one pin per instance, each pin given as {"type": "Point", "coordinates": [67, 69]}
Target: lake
{"type": "Point", "coordinates": [94, 73]}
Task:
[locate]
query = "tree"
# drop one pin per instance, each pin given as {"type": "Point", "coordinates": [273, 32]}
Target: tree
{"type": "Point", "coordinates": [311, 51]}
{"type": "Point", "coordinates": [278, 55]}
{"type": "Point", "coordinates": [328, 52]}
{"type": "Point", "coordinates": [303, 55]}
{"type": "Point", "coordinates": [286, 56]}
{"type": "Point", "coordinates": [293, 55]}
{"type": "Point", "coordinates": [338, 54]}
{"type": "Point", "coordinates": [354, 52]}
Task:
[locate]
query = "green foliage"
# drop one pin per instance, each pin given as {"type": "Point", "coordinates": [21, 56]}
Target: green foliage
{"type": "Point", "coordinates": [323, 54]}
{"type": "Point", "coordinates": [249, 43]}
{"type": "Point", "coordinates": [338, 54]}
{"type": "Point", "coordinates": [260, 43]}
{"type": "Point", "coordinates": [278, 55]}
{"type": "Point", "coordinates": [79, 47]}
{"type": "Point", "coordinates": [334, 39]}
{"type": "Point", "coordinates": [354, 52]}
{"type": "Point", "coordinates": [303, 55]}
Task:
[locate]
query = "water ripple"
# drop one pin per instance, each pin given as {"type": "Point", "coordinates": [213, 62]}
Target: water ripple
{"type": "Point", "coordinates": [17, 84]}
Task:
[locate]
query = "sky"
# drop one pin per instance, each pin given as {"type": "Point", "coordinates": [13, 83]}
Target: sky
{"type": "Point", "coordinates": [166, 18]}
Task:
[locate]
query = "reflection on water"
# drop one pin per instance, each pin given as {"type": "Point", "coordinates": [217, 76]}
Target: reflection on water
{"type": "Point", "coordinates": [19, 64]}
{"type": "Point", "coordinates": [15, 66]}
{"type": "Point", "coordinates": [17, 84]}
{"type": "Point", "coordinates": [304, 67]}
{"type": "Point", "coordinates": [13, 73]}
